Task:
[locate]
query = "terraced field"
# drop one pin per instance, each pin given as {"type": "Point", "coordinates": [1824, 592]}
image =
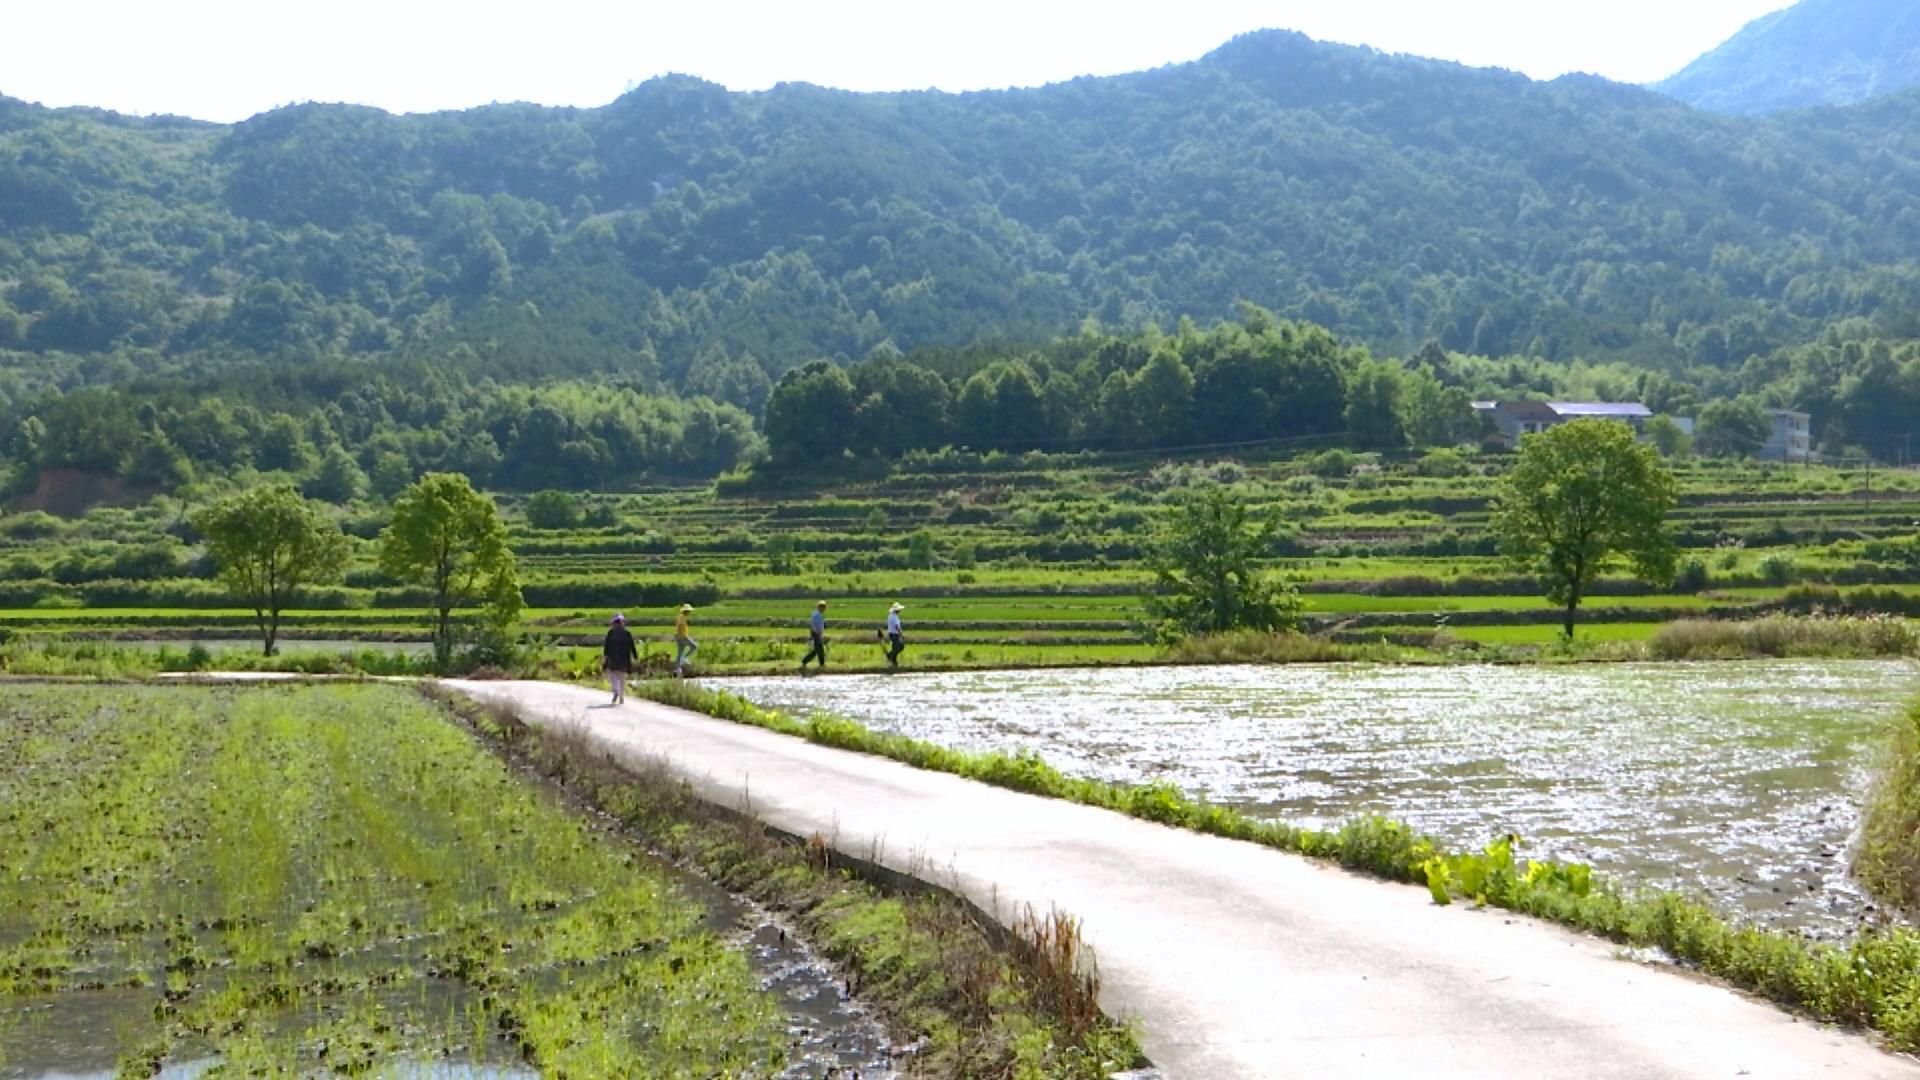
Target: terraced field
{"type": "Point", "coordinates": [999, 560]}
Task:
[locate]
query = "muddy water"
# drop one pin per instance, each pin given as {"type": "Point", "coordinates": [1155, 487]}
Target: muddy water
{"type": "Point", "coordinates": [1740, 781]}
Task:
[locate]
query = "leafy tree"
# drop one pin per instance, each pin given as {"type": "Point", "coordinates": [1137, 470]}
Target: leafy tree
{"type": "Point", "coordinates": [1581, 496]}
{"type": "Point", "coordinates": [391, 474]}
{"type": "Point", "coordinates": [448, 537]}
{"type": "Point", "coordinates": [810, 415]}
{"type": "Point", "coordinates": [552, 510]}
{"type": "Point", "coordinates": [338, 479]}
{"type": "Point", "coordinates": [267, 543]}
{"type": "Point", "coordinates": [780, 549]}
{"type": "Point", "coordinates": [156, 462]}
{"type": "Point", "coordinates": [1435, 414]}
{"type": "Point", "coordinates": [1735, 428]}
{"type": "Point", "coordinates": [1668, 437]}
{"type": "Point", "coordinates": [1206, 562]}
{"type": "Point", "coordinates": [1373, 407]}
{"type": "Point", "coordinates": [920, 551]}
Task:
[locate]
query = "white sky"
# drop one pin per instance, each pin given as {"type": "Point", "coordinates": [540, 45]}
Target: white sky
{"type": "Point", "coordinates": [228, 59]}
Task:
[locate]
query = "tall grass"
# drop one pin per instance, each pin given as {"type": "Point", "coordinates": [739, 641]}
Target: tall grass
{"type": "Point", "coordinates": [1872, 982]}
{"type": "Point", "coordinates": [1841, 636]}
{"type": "Point", "coordinates": [1887, 861]}
{"type": "Point", "coordinates": [1259, 647]}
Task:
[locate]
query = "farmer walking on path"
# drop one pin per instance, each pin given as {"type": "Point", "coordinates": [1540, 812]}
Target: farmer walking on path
{"type": "Point", "coordinates": [817, 630]}
{"type": "Point", "coordinates": [617, 657]}
{"type": "Point", "coordinates": [896, 635]}
{"type": "Point", "coordinates": [683, 641]}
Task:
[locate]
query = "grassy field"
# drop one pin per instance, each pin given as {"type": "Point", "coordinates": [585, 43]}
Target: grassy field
{"type": "Point", "coordinates": [330, 880]}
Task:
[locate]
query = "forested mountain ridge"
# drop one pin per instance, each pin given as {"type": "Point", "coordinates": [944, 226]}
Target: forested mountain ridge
{"type": "Point", "coordinates": [692, 239]}
{"type": "Point", "coordinates": [1817, 52]}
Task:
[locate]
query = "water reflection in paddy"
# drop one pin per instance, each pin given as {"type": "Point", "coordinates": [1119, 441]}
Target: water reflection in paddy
{"type": "Point", "coordinates": [1739, 780]}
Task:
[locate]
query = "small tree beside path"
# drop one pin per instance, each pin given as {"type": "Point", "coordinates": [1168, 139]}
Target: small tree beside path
{"type": "Point", "coordinates": [447, 537]}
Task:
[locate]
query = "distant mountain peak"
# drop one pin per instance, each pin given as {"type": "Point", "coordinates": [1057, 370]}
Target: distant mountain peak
{"type": "Point", "coordinates": [1817, 52]}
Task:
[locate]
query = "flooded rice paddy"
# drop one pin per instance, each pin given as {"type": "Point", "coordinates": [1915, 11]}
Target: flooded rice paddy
{"type": "Point", "coordinates": [1739, 781]}
{"type": "Point", "coordinates": [334, 879]}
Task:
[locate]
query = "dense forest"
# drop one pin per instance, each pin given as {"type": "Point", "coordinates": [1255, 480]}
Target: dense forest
{"type": "Point", "coordinates": [591, 297]}
{"type": "Point", "coordinates": [1816, 52]}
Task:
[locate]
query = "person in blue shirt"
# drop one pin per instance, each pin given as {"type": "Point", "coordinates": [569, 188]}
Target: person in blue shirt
{"type": "Point", "coordinates": [817, 629]}
{"type": "Point", "coordinates": [896, 635]}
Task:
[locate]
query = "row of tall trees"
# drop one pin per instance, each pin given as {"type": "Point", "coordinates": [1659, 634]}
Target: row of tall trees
{"type": "Point", "coordinates": [340, 438]}
{"type": "Point", "coordinates": [1257, 378]}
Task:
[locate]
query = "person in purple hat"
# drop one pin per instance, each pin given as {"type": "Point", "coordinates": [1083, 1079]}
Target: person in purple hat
{"type": "Point", "coordinates": [618, 656]}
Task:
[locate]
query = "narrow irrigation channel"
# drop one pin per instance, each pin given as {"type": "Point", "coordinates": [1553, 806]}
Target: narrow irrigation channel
{"type": "Point", "coordinates": [306, 879]}
{"type": "Point", "coordinates": [1741, 781]}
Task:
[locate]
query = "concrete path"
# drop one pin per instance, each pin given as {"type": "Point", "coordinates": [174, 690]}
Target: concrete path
{"type": "Point", "coordinates": [1239, 961]}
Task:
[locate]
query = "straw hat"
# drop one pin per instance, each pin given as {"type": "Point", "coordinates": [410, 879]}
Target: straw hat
{"type": "Point", "coordinates": [686, 609]}
{"type": "Point", "coordinates": [897, 607]}
{"type": "Point", "coordinates": [821, 605]}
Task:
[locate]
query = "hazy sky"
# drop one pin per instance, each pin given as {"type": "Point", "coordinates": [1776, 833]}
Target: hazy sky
{"type": "Point", "coordinates": [228, 59]}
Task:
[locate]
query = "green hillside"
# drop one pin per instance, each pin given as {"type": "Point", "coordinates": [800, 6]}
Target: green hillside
{"type": "Point", "coordinates": [688, 237]}
{"type": "Point", "coordinates": [1817, 52]}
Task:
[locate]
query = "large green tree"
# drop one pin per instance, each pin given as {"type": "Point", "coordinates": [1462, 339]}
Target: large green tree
{"type": "Point", "coordinates": [1207, 564]}
{"type": "Point", "coordinates": [1731, 428]}
{"type": "Point", "coordinates": [267, 543]}
{"type": "Point", "coordinates": [1583, 496]}
{"type": "Point", "coordinates": [447, 537]}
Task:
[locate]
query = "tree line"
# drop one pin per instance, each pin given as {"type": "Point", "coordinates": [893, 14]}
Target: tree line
{"type": "Point", "coordinates": [346, 430]}
{"type": "Point", "coordinates": [1261, 378]}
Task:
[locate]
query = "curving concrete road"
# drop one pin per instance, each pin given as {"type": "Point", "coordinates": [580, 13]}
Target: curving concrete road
{"type": "Point", "coordinates": [1239, 961]}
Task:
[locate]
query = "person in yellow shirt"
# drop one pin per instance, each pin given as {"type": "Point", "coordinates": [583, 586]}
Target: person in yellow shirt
{"type": "Point", "coordinates": [683, 641]}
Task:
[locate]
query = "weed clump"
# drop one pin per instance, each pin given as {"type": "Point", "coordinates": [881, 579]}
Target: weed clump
{"type": "Point", "coordinates": [1887, 861]}
{"type": "Point", "coordinates": [1834, 636]}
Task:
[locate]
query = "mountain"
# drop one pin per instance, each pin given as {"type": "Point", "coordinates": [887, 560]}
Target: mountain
{"type": "Point", "coordinates": [687, 238]}
{"type": "Point", "coordinates": [1817, 52]}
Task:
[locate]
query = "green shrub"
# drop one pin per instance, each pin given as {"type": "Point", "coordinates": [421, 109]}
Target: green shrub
{"type": "Point", "coordinates": [552, 510]}
{"type": "Point", "coordinates": [1332, 464]}
{"type": "Point", "coordinates": [1443, 463]}
{"type": "Point", "coordinates": [1777, 570]}
{"type": "Point", "coordinates": [1887, 860]}
{"type": "Point", "coordinates": [1693, 576]}
{"type": "Point", "coordinates": [32, 525]}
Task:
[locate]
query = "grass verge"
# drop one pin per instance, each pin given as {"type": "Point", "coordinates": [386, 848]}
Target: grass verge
{"type": "Point", "coordinates": [1025, 1006]}
{"type": "Point", "coordinates": [1887, 861]}
{"type": "Point", "coordinates": [1872, 982]}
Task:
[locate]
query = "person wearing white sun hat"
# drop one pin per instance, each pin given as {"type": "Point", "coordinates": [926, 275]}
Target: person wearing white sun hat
{"type": "Point", "coordinates": [895, 634]}
{"type": "Point", "coordinates": [683, 641]}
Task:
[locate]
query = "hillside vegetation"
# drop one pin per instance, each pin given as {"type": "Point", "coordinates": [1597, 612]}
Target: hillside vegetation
{"type": "Point", "coordinates": [694, 239]}
{"type": "Point", "coordinates": [1817, 52]}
